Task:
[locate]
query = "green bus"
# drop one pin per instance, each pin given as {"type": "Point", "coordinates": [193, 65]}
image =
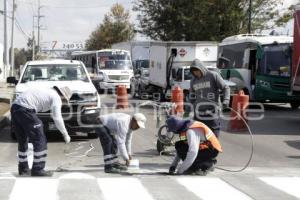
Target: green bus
{"type": "Point", "coordinates": [261, 65]}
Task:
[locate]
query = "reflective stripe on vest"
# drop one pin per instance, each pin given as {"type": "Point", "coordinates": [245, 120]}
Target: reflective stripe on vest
{"type": "Point", "coordinates": [210, 136]}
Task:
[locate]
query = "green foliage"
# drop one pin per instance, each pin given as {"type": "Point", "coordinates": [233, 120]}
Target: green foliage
{"type": "Point", "coordinates": [203, 19]}
{"type": "Point", "coordinates": [114, 28]}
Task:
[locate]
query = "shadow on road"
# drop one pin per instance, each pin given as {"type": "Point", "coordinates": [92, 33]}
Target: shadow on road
{"type": "Point", "coordinates": [293, 143]}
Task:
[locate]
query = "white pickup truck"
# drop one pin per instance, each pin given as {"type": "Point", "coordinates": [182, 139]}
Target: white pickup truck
{"type": "Point", "coordinates": [84, 106]}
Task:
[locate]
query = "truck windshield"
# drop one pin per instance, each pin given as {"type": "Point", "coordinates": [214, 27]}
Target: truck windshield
{"type": "Point", "coordinates": [276, 60]}
{"type": "Point", "coordinates": [114, 61]}
{"type": "Point", "coordinates": [57, 72]}
{"type": "Point", "coordinates": [187, 74]}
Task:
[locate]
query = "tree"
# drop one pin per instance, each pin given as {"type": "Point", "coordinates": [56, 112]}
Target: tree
{"type": "Point", "coordinates": [115, 27]}
{"type": "Point", "coordinates": [203, 19]}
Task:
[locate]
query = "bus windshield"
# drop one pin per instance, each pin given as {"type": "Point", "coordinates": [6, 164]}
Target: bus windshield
{"type": "Point", "coordinates": [276, 60]}
{"type": "Point", "coordinates": [115, 61]}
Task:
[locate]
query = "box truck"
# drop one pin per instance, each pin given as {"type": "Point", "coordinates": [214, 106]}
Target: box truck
{"type": "Point", "coordinates": [296, 54]}
{"type": "Point", "coordinates": [169, 61]}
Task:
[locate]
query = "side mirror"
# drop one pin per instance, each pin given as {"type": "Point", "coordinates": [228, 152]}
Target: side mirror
{"type": "Point", "coordinates": [12, 80]}
{"type": "Point", "coordinates": [98, 78]}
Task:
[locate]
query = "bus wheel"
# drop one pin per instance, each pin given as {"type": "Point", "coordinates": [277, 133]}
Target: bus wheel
{"type": "Point", "coordinates": [295, 105]}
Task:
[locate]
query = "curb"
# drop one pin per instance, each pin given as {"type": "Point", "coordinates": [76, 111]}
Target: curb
{"type": "Point", "coordinates": [5, 100]}
{"type": "Point", "coordinates": [5, 120]}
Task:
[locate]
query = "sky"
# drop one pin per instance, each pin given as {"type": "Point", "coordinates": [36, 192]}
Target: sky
{"type": "Point", "coordinates": [68, 21]}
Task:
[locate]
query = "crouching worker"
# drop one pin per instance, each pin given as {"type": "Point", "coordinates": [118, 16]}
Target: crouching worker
{"type": "Point", "coordinates": [197, 148]}
{"type": "Point", "coordinates": [115, 132]}
{"type": "Point", "coordinates": [28, 126]}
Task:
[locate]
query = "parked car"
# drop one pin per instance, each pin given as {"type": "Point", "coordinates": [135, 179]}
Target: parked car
{"type": "Point", "coordinates": [84, 106]}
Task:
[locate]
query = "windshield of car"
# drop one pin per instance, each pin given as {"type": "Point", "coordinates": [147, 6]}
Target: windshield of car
{"type": "Point", "coordinates": [54, 72]}
{"type": "Point", "coordinates": [276, 60]}
{"type": "Point", "coordinates": [115, 61]}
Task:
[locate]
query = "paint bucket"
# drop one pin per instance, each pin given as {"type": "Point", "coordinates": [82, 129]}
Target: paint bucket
{"type": "Point", "coordinates": [134, 164]}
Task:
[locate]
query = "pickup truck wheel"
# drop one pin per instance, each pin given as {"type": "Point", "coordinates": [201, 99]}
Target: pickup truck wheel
{"type": "Point", "coordinates": [295, 105]}
{"type": "Point", "coordinates": [92, 135]}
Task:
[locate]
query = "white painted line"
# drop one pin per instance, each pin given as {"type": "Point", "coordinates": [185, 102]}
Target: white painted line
{"type": "Point", "coordinates": [288, 185]}
{"type": "Point", "coordinates": [35, 189]}
{"type": "Point", "coordinates": [123, 188]}
{"type": "Point", "coordinates": [211, 188]}
{"type": "Point", "coordinates": [7, 175]}
{"type": "Point", "coordinates": [77, 176]}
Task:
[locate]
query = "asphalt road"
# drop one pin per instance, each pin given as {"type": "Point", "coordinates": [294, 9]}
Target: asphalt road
{"type": "Point", "coordinates": [272, 174]}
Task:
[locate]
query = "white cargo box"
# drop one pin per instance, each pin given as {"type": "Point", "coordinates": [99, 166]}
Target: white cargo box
{"type": "Point", "coordinates": [186, 53]}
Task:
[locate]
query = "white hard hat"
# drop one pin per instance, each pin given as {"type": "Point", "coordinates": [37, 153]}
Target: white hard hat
{"type": "Point", "coordinates": [140, 119]}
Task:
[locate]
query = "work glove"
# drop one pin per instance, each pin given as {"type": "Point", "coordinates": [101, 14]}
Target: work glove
{"type": "Point", "coordinates": [130, 157]}
{"type": "Point", "coordinates": [172, 170]}
{"type": "Point", "coordinates": [67, 138]}
{"type": "Point", "coordinates": [127, 162]}
{"type": "Point", "coordinates": [225, 104]}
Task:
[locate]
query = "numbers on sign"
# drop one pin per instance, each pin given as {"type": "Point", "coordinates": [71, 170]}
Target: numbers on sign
{"type": "Point", "coordinates": [72, 46]}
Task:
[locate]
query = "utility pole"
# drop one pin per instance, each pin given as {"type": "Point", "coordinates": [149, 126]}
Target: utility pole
{"type": "Point", "coordinates": [33, 40]}
{"type": "Point", "coordinates": [12, 52]}
{"type": "Point", "coordinates": [39, 16]}
{"type": "Point", "coordinates": [5, 55]}
{"type": "Point", "coordinates": [250, 16]}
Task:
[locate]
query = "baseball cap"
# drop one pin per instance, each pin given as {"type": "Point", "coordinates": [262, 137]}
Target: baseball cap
{"type": "Point", "coordinates": [140, 119]}
{"type": "Point", "coordinates": [65, 92]}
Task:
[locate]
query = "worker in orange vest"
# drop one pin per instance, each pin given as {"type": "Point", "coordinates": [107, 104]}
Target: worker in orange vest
{"type": "Point", "coordinates": [198, 146]}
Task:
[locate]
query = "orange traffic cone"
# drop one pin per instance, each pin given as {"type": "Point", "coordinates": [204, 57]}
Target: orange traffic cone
{"type": "Point", "coordinates": [122, 97]}
{"type": "Point", "coordinates": [239, 105]}
{"type": "Point", "coordinates": [177, 98]}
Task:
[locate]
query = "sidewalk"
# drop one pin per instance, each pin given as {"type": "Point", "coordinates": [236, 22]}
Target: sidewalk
{"type": "Point", "coordinates": [6, 97]}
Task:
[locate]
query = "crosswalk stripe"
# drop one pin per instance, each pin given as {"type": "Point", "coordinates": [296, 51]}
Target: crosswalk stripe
{"type": "Point", "coordinates": [205, 188]}
{"type": "Point", "coordinates": [84, 189]}
{"type": "Point", "coordinates": [34, 189]}
{"type": "Point", "coordinates": [288, 185]}
{"type": "Point", "coordinates": [123, 188]}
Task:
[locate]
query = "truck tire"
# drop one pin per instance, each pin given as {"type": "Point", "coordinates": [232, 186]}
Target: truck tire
{"type": "Point", "coordinates": [295, 105]}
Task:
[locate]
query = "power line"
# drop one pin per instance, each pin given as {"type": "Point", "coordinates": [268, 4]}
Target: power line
{"type": "Point", "coordinates": [21, 30]}
{"type": "Point", "coordinates": [65, 7]}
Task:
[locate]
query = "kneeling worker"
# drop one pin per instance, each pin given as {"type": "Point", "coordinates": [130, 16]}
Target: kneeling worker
{"type": "Point", "coordinates": [115, 132]}
{"type": "Point", "coordinates": [197, 148]}
{"type": "Point", "coordinates": [28, 126]}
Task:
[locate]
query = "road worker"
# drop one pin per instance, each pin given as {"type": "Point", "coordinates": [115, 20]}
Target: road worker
{"type": "Point", "coordinates": [115, 133]}
{"type": "Point", "coordinates": [206, 87]}
{"type": "Point", "coordinates": [197, 148]}
{"type": "Point", "coordinates": [28, 127]}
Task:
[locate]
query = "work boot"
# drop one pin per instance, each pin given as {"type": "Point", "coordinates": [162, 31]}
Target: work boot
{"type": "Point", "coordinates": [24, 172]}
{"type": "Point", "coordinates": [112, 170]}
{"type": "Point", "coordinates": [41, 173]}
{"type": "Point", "coordinates": [120, 166]}
{"type": "Point", "coordinates": [201, 172]}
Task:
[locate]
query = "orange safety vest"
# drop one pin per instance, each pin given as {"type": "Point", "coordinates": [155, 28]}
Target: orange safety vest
{"type": "Point", "coordinates": [212, 140]}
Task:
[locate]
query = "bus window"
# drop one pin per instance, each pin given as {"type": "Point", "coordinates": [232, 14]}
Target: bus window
{"type": "Point", "coordinates": [235, 54]}
{"type": "Point", "coordinates": [276, 61]}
